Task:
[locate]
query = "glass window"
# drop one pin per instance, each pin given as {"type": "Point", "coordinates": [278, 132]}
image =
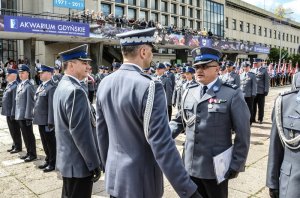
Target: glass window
{"type": "Point", "coordinates": [183, 22]}
{"type": "Point", "coordinates": [143, 15]}
{"type": "Point", "coordinates": [154, 17]}
{"type": "Point", "coordinates": [132, 14]}
{"type": "Point", "coordinates": [191, 24]}
{"type": "Point", "coordinates": [291, 38]}
{"type": "Point", "coordinates": [198, 3]}
{"type": "Point", "coordinates": [182, 1]}
{"type": "Point", "coordinates": [174, 20]}
{"type": "Point", "coordinates": [119, 11]}
{"type": "Point", "coordinates": [191, 2]}
{"type": "Point", "coordinates": [105, 8]}
{"type": "Point", "coordinates": [248, 28]}
{"type": "Point", "coordinates": [154, 4]}
{"type": "Point", "coordinates": [254, 29]}
{"type": "Point", "coordinates": [164, 20]}
{"type": "Point", "coordinates": [283, 36]}
{"type": "Point", "coordinates": [275, 34]}
{"type": "Point", "coordinates": [226, 22]}
{"type": "Point", "coordinates": [119, 1]}
{"type": "Point", "coordinates": [287, 37]}
{"type": "Point", "coordinates": [132, 2]}
{"type": "Point", "coordinates": [191, 12]}
{"type": "Point", "coordinates": [234, 24]}
{"type": "Point", "coordinates": [198, 14]}
{"type": "Point", "coordinates": [173, 8]}
{"type": "Point", "coordinates": [143, 3]}
{"type": "Point", "coordinates": [259, 30]}
{"type": "Point", "coordinates": [182, 10]}
{"type": "Point", "coordinates": [279, 35]}
{"type": "Point", "coordinates": [241, 26]}
{"type": "Point", "coordinates": [270, 34]}
{"type": "Point", "coordinates": [265, 32]}
{"type": "Point", "coordinates": [198, 25]}
{"type": "Point", "coordinates": [164, 6]}
{"type": "Point", "coordinates": [298, 39]}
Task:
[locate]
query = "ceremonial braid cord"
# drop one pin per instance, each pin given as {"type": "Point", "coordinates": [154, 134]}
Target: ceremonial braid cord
{"type": "Point", "coordinates": [149, 107]}
{"type": "Point", "coordinates": [286, 142]}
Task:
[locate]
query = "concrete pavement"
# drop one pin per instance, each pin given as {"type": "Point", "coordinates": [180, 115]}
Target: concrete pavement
{"type": "Point", "coordinates": [19, 179]}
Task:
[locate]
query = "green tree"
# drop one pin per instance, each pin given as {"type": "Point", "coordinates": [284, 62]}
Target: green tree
{"type": "Point", "coordinates": [275, 54]}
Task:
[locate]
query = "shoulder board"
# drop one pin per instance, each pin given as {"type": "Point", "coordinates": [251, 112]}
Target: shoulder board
{"type": "Point", "coordinates": [193, 85]}
{"type": "Point", "coordinates": [233, 86]}
{"type": "Point", "coordinates": [146, 75]}
{"type": "Point", "coordinates": [288, 92]}
{"type": "Point", "coordinates": [28, 82]}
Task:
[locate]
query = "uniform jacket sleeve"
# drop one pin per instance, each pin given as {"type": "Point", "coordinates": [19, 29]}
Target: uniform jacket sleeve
{"type": "Point", "coordinates": [163, 146]}
{"type": "Point", "coordinates": [30, 91]}
{"type": "Point", "coordinates": [169, 91]}
{"type": "Point", "coordinates": [13, 108]}
{"type": "Point", "coordinates": [240, 114]}
{"type": "Point", "coordinates": [254, 85]}
{"type": "Point", "coordinates": [174, 96]}
{"type": "Point", "coordinates": [81, 129]}
{"type": "Point", "coordinates": [176, 124]}
{"type": "Point", "coordinates": [102, 133]}
{"type": "Point", "coordinates": [50, 105]}
{"type": "Point", "coordinates": [276, 152]}
{"type": "Point", "coordinates": [267, 81]}
{"type": "Point", "coordinates": [237, 80]}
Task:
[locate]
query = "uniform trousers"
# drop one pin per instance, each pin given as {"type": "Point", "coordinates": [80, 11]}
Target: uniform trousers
{"type": "Point", "coordinates": [259, 102]}
{"type": "Point", "coordinates": [249, 101]}
{"type": "Point", "coordinates": [49, 144]}
{"type": "Point", "coordinates": [170, 111]}
{"type": "Point", "coordinates": [15, 132]}
{"type": "Point", "coordinates": [28, 137]}
{"type": "Point", "coordinates": [77, 187]}
{"type": "Point", "coordinates": [208, 188]}
{"type": "Point", "coordinates": [91, 96]}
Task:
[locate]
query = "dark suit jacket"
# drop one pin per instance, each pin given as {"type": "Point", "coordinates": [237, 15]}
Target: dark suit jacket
{"type": "Point", "coordinates": [9, 100]}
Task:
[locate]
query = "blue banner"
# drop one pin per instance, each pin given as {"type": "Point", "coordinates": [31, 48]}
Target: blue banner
{"type": "Point", "coordinates": [72, 4]}
{"type": "Point", "coordinates": [45, 26]}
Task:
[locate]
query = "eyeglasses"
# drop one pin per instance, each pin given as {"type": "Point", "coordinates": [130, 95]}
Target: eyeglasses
{"type": "Point", "coordinates": [204, 66]}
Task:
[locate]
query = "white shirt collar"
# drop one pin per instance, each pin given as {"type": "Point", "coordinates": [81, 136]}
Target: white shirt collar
{"type": "Point", "coordinates": [209, 85]}
{"type": "Point", "coordinates": [24, 81]}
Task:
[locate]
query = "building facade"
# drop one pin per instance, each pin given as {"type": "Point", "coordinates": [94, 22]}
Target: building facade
{"type": "Point", "coordinates": [225, 19]}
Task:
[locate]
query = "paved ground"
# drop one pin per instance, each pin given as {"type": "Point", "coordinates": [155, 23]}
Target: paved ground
{"type": "Point", "coordinates": [19, 179]}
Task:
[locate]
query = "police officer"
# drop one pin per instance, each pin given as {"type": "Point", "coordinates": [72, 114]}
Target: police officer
{"type": "Point", "coordinates": [178, 91]}
{"type": "Point", "coordinates": [100, 75]}
{"type": "Point", "coordinates": [262, 81]}
{"type": "Point", "coordinates": [8, 110]}
{"type": "Point", "coordinates": [231, 77]}
{"type": "Point", "coordinates": [116, 66]}
{"type": "Point", "coordinates": [77, 157]}
{"type": "Point", "coordinates": [91, 84]}
{"type": "Point", "coordinates": [23, 112]}
{"type": "Point", "coordinates": [135, 158]}
{"type": "Point", "coordinates": [170, 74]}
{"type": "Point", "coordinates": [248, 86]}
{"type": "Point", "coordinates": [210, 110]}
{"type": "Point", "coordinates": [284, 152]}
{"type": "Point", "coordinates": [167, 84]}
{"type": "Point", "coordinates": [43, 116]}
{"type": "Point", "coordinates": [189, 75]}
{"type": "Point", "coordinates": [56, 77]}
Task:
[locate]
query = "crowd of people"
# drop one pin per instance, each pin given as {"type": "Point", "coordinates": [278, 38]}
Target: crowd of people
{"type": "Point", "coordinates": [129, 135]}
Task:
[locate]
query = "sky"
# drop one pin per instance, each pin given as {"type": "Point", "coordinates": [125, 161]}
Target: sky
{"type": "Point", "coordinates": [271, 5]}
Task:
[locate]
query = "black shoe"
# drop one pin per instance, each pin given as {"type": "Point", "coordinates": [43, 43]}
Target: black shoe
{"type": "Point", "coordinates": [15, 151]}
{"type": "Point", "coordinates": [260, 122]}
{"type": "Point", "coordinates": [49, 168]}
{"type": "Point", "coordinates": [24, 157]}
{"type": "Point", "coordinates": [30, 158]}
{"type": "Point", "coordinates": [9, 150]}
{"type": "Point", "coordinates": [43, 165]}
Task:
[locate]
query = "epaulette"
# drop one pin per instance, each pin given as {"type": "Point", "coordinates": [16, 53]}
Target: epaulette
{"type": "Point", "coordinates": [233, 86]}
{"type": "Point", "coordinates": [146, 75]}
{"type": "Point", "coordinates": [28, 82]}
{"type": "Point", "coordinates": [288, 92]}
{"type": "Point", "coordinates": [193, 85]}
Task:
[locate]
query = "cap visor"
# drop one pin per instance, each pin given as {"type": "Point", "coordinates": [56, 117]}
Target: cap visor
{"type": "Point", "coordinates": [202, 62]}
{"type": "Point", "coordinates": [85, 59]}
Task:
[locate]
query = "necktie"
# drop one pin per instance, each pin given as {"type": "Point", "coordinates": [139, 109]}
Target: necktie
{"type": "Point", "coordinates": [203, 91]}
